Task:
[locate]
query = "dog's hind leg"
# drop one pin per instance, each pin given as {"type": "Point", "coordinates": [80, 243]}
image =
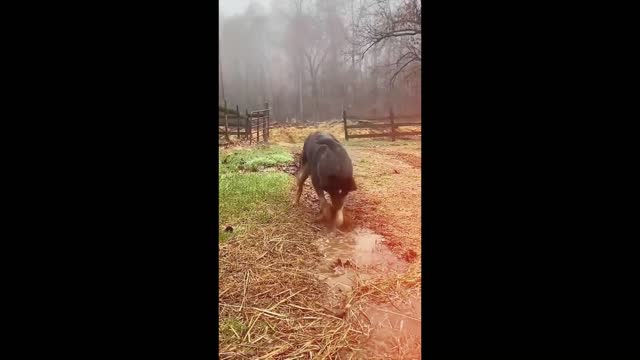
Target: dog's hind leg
{"type": "Point", "coordinates": [301, 177]}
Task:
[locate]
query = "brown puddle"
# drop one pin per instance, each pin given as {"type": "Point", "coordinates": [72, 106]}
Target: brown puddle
{"type": "Point", "coordinates": [396, 329]}
{"type": "Point", "coordinates": [361, 249]}
{"type": "Point", "coordinates": [358, 256]}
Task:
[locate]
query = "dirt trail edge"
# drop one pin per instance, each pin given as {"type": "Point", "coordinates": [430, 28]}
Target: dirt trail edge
{"type": "Point", "coordinates": [372, 267]}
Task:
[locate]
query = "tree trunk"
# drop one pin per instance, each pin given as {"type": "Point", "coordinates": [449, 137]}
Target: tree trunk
{"type": "Point", "coordinates": [247, 96]}
{"type": "Point", "coordinates": [300, 109]}
{"type": "Point", "coordinates": [316, 100]}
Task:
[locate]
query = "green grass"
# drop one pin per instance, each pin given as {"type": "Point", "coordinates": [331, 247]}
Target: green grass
{"type": "Point", "coordinates": [227, 328]}
{"type": "Point", "coordinates": [251, 199]}
{"type": "Point", "coordinates": [254, 159]}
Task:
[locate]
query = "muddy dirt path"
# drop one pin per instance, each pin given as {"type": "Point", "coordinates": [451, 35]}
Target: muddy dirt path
{"type": "Point", "coordinates": [372, 266]}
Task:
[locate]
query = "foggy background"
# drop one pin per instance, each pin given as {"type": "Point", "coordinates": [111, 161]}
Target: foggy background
{"type": "Point", "coordinates": [310, 59]}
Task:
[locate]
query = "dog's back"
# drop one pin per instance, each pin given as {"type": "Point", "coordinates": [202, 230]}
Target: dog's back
{"type": "Point", "coordinates": [329, 161]}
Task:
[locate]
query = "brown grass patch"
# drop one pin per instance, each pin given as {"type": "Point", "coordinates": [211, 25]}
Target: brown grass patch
{"type": "Point", "coordinates": [297, 134]}
{"type": "Point", "coordinates": [275, 301]}
{"type": "Point", "coordinates": [409, 158]}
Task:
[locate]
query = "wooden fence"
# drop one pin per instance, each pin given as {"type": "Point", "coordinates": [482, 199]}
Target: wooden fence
{"type": "Point", "coordinates": [246, 126]}
{"type": "Point", "coordinates": [386, 122]}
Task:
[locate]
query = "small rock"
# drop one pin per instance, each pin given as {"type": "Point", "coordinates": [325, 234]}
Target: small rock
{"type": "Point", "coordinates": [396, 171]}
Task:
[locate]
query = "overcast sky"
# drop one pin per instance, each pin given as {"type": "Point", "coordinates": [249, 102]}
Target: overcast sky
{"type": "Point", "coordinates": [236, 7]}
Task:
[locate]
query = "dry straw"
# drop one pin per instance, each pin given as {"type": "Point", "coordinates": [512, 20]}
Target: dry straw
{"type": "Point", "coordinates": [272, 304]}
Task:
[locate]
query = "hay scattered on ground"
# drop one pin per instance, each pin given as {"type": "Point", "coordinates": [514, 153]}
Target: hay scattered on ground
{"type": "Point", "coordinates": [272, 303]}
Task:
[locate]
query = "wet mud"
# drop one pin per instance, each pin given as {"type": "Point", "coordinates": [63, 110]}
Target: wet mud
{"type": "Point", "coordinates": [355, 257]}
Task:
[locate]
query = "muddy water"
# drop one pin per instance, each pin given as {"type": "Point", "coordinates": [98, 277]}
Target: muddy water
{"type": "Point", "coordinates": [396, 329]}
{"type": "Point", "coordinates": [360, 255]}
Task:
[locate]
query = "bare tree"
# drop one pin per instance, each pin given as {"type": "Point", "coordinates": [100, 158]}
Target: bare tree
{"type": "Point", "coordinates": [315, 52]}
{"type": "Point", "coordinates": [295, 34]}
{"type": "Point", "coordinates": [323, 56]}
{"type": "Point", "coordinates": [380, 24]}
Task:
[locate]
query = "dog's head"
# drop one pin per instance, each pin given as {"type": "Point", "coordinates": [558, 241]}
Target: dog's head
{"type": "Point", "coordinates": [339, 188]}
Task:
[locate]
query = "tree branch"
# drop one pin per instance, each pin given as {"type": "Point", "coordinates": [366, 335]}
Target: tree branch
{"type": "Point", "coordinates": [395, 75]}
{"type": "Point", "coordinates": [396, 33]}
{"type": "Point", "coordinates": [402, 57]}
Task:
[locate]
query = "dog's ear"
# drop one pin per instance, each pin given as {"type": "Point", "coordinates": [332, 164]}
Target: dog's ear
{"type": "Point", "coordinates": [352, 185]}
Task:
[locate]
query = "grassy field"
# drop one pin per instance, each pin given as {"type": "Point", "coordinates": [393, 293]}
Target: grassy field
{"type": "Point", "coordinates": [250, 197]}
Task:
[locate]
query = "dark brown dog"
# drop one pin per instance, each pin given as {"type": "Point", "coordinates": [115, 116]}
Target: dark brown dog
{"type": "Point", "coordinates": [330, 168]}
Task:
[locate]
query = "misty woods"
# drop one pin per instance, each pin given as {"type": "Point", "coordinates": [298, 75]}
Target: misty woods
{"type": "Point", "coordinates": [310, 59]}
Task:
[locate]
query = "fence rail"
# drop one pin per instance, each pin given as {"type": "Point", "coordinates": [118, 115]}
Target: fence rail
{"type": "Point", "coordinates": [245, 125]}
{"type": "Point", "coordinates": [373, 123]}
{"type": "Point", "coordinates": [230, 116]}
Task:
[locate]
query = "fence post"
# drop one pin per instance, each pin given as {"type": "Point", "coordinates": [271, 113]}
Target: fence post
{"type": "Point", "coordinates": [258, 132]}
{"type": "Point", "coordinates": [239, 118]}
{"type": "Point", "coordinates": [264, 128]}
{"type": "Point", "coordinates": [226, 123]}
{"type": "Point", "coordinates": [266, 106]}
{"type": "Point", "coordinates": [344, 121]}
{"type": "Point", "coordinates": [249, 131]}
{"type": "Point", "coordinates": [393, 125]}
